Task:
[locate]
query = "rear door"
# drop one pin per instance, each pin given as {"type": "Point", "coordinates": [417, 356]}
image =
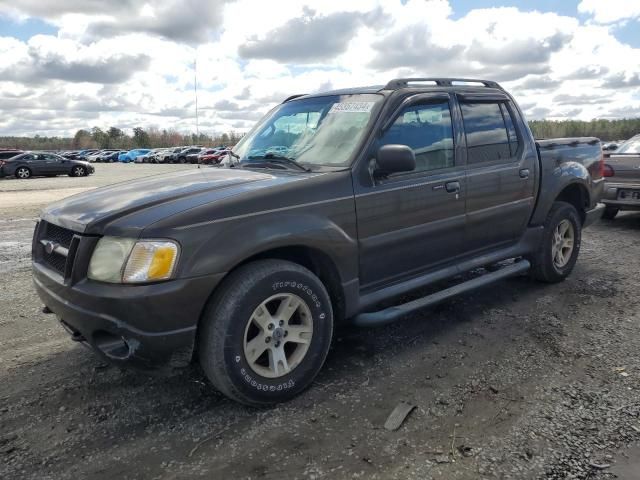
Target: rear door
{"type": "Point", "coordinates": [413, 221]}
{"type": "Point", "coordinates": [37, 163]}
{"type": "Point", "coordinates": [501, 173]}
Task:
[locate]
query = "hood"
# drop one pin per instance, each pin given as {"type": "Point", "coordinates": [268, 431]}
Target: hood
{"type": "Point", "coordinates": [159, 196]}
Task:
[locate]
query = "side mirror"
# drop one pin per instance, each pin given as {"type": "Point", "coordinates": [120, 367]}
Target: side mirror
{"type": "Point", "coordinates": [394, 159]}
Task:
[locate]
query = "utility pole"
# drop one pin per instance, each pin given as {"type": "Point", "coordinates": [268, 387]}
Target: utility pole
{"type": "Point", "coordinates": [195, 90]}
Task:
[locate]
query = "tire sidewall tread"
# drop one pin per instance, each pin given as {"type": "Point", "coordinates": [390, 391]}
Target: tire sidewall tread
{"type": "Point", "coordinates": [543, 267]}
{"type": "Point", "coordinates": [220, 346]}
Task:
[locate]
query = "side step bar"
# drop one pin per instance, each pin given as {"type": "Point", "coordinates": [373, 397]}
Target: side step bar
{"type": "Point", "coordinates": [391, 314]}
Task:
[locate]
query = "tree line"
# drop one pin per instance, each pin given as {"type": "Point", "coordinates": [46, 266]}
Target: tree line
{"type": "Point", "coordinates": [117, 138]}
{"type": "Point", "coordinates": [113, 137]}
{"type": "Point", "coordinates": [605, 130]}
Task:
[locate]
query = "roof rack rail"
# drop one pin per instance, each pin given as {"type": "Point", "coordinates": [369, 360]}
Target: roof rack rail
{"type": "Point", "coordinates": [292, 97]}
{"type": "Point", "coordinates": [398, 83]}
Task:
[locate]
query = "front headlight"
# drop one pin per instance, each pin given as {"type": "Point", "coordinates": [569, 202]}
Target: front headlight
{"type": "Point", "coordinates": [150, 261]}
{"type": "Point", "coordinates": [123, 260]}
{"type": "Point", "coordinates": [108, 259]}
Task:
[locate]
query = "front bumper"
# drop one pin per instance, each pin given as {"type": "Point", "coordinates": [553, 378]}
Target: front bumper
{"type": "Point", "coordinates": [143, 326]}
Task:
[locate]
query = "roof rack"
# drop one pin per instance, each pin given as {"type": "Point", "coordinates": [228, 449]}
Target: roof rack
{"type": "Point", "coordinates": [293, 97]}
{"type": "Point", "coordinates": [398, 83]}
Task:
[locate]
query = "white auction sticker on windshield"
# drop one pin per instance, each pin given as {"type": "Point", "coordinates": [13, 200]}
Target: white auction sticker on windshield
{"type": "Point", "coordinates": [352, 107]}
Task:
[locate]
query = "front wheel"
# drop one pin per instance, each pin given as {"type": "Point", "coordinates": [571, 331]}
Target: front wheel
{"type": "Point", "coordinates": [266, 332]}
{"type": "Point", "coordinates": [560, 245]}
{"type": "Point", "coordinates": [78, 171]}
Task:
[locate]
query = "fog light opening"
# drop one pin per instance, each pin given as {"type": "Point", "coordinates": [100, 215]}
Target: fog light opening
{"type": "Point", "coordinates": [113, 346]}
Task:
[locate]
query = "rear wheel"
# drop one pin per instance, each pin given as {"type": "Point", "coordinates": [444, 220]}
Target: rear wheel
{"type": "Point", "coordinates": [78, 171]}
{"type": "Point", "coordinates": [23, 173]}
{"type": "Point", "coordinates": [266, 332]}
{"type": "Point", "coordinates": [610, 213]}
{"type": "Point", "coordinates": [560, 245]}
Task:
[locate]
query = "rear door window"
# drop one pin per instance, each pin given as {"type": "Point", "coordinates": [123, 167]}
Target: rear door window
{"type": "Point", "coordinates": [514, 143]}
{"type": "Point", "coordinates": [486, 132]}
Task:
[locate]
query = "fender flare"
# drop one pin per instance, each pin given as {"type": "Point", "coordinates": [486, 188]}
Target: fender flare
{"type": "Point", "coordinates": [246, 239]}
{"type": "Point", "coordinates": [556, 181]}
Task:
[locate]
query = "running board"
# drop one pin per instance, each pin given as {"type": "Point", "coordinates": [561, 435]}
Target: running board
{"type": "Point", "coordinates": [391, 314]}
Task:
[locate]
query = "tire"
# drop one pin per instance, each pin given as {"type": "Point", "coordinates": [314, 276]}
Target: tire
{"type": "Point", "coordinates": [610, 213]}
{"type": "Point", "coordinates": [230, 324]}
{"type": "Point", "coordinates": [182, 160]}
{"type": "Point", "coordinates": [23, 173]}
{"type": "Point", "coordinates": [78, 171]}
{"type": "Point", "coordinates": [547, 265]}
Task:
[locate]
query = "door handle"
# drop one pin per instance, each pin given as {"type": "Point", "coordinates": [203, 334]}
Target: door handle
{"type": "Point", "coordinates": [452, 187]}
{"type": "Point", "coordinates": [524, 173]}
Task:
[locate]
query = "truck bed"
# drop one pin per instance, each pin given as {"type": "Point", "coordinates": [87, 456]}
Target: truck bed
{"type": "Point", "coordinates": [562, 159]}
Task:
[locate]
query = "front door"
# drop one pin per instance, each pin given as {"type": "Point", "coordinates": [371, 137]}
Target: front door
{"type": "Point", "coordinates": [412, 221]}
{"type": "Point", "coordinates": [52, 164]}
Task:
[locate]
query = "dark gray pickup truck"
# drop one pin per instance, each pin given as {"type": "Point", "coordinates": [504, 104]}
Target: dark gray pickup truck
{"type": "Point", "coordinates": [333, 205]}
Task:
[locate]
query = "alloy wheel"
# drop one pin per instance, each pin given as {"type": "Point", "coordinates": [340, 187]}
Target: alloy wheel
{"type": "Point", "coordinates": [562, 243]}
{"type": "Point", "coordinates": [278, 335]}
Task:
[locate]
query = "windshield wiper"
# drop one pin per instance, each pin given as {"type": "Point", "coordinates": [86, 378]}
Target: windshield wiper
{"type": "Point", "coordinates": [233, 163]}
{"type": "Point", "coordinates": [280, 159]}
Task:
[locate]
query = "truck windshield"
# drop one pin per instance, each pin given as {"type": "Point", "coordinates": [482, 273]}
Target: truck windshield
{"type": "Point", "coordinates": [313, 131]}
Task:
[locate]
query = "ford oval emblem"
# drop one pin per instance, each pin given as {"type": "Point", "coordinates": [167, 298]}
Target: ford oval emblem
{"type": "Point", "coordinates": [49, 247]}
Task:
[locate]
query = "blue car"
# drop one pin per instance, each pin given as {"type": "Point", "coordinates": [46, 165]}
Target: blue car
{"type": "Point", "coordinates": [131, 155]}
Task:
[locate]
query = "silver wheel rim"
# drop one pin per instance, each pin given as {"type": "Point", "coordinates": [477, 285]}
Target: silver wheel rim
{"type": "Point", "coordinates": [23, 173]}
{"type": "Point", "coordinates": [278, 335]}
{"type": "Point", "coordinates": [563, 242]}
{"type": "Point", "coordinates": [79, 171]}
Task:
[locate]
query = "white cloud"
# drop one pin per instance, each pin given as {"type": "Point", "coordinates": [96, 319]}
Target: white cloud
{"type": "Point", "coordinates": [253, 54]}
{"type": "Point", "coordinates": [610, 11]}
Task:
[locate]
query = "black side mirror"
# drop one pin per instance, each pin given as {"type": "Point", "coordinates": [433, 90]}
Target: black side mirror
{"type": "Point", "coordinates": [394, 159]}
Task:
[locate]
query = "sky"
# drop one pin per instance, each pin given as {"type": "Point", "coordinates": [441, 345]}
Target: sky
{"type": "Point", "coordinates": [74, 64]}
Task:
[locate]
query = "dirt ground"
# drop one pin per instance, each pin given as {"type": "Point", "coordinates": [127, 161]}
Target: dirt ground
{"type": "Point", "coordinates": [518, 380]}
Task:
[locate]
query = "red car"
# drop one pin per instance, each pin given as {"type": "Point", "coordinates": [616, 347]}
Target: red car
{"type": "Point", "coordinates": [211, 157]}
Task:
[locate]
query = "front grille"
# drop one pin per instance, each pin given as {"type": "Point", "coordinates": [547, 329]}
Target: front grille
{"type": "Point", "coordinates": [58, 234]}
{"type": "Point", "coordinates": [56, 260]}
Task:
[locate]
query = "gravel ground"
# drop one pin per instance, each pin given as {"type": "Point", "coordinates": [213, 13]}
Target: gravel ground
{"type": "Point", "coordinates": [519, 380]}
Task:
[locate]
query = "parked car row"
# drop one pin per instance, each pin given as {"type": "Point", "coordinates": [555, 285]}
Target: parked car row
{"type": "Point", "coordinates": [191, 154]}
{"type": "Point", "coordinates": [183, 154]}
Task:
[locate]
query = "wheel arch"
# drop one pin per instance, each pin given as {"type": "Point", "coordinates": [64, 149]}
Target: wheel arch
{"type": "Point", "coordinates": [574, 192]}
{"type": "Point", "coordinates": [577, 195]}
{"type": "Point", "coordinates": [315, 260]}
{"type": "Point", "coordinates": [320, 263]}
